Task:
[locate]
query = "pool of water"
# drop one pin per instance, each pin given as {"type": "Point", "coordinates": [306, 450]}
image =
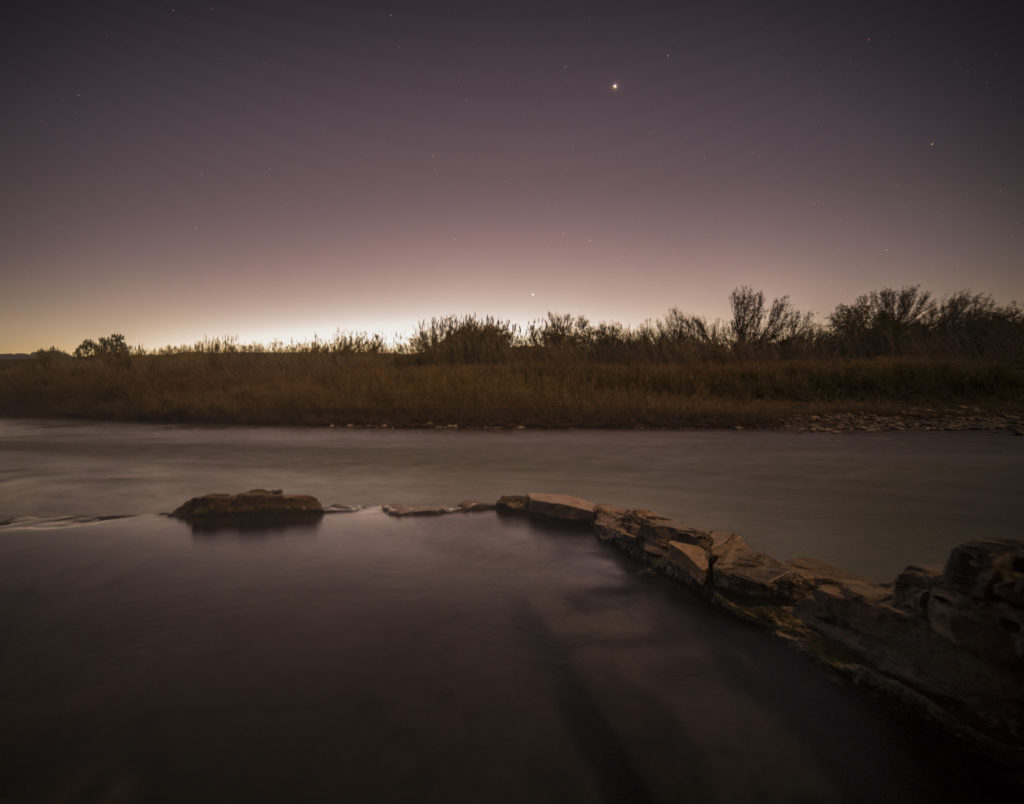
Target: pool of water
{"type": "Point", "coordinates": [471, 657]}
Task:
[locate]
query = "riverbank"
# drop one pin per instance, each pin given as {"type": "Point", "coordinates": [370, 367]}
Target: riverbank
{"type": "Point", "coordinates": [322, 389]}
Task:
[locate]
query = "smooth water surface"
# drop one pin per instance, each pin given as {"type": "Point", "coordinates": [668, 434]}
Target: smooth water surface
{"type": "Point", "coordinates": [869, 502]}
{"type": "Point", "coordinates": [468, 658]}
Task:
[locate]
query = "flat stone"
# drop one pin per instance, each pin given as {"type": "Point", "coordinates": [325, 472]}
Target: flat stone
{"type": "Point", "coordinates": [511, 502]}
{"type": "Point", "coordinates": [472, 506]}
{"type": "Point", "coordinates": [690, 562]}
{"type": "Point", "coordinates": [821, 571]}
{"type": "Point", "coordinates": [337, 508]}
{"type": "Point", "coordinates": [560, 506]}
{"type": "Point", "coordinates": [756, 577]}
{"type": "Point", "coordinates": [640, 531]}
{"type": "Point", "coordinates": [255, 504]}
{"type": "Point", "coordinates": [401, 510]}
{"type": "Point", "coordinates": [847, 603]}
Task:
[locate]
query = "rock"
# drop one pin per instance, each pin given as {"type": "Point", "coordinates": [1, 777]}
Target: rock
{"type": "Point", "coordinates": [689, 562]}
{"type": "Point", "coordinates": [992, 630]}
{"type": "Point", "coordinates": [560, 506]}
{"type": "Point", "coordinates": [337, 508]}
{"type": "Point", "coordinates": [743, 574]}
{"type": "Point", "coordinates": [401, 510]}
{"type": "Point", "coordinates": [722, 542]}
{"type": "Point", "coordinates": [607, 523]}
{"type": "Point", "coordinates": [511, 502]}
{"type": "Point", "coordinates": [472, 506]}
{"type": "Point", "coordinates": [254, 505]}
{"type": "Point", "coordinates": [955, 654]}
{"type": "Point", "coordinates": [644, 533]}
{"type": "Point", "coordinates": [975, 568]}
{"type": "Point", "coordinates": [913, 587]}
{"type": "Point", "coordinates": [820, 571]}
{"type": "Point", "coordinates": [661, 530]}
{"type": "Point", "coordinates": [846, 602]}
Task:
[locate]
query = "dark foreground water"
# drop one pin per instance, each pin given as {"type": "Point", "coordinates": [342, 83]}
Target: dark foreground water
{"type": "Point", "coordinates": [466, 658]}
{"type": "Point", "coordinates": [469, 658]}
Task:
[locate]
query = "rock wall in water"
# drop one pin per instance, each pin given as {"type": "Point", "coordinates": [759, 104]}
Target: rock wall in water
{"type": "Point", "coordinates": [947, 640]}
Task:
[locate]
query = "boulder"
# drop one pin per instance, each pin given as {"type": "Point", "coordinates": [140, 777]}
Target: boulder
{"type": "Point", "coordinates": [993, 630]}
{"type": "Point", "coordinates": [985, 568]}
{"type": "Point", "coordinates": [913, 587]}
{"type": "Point", "coordinates": [560, 506]}
{"type": "Point", "coordinates": [941, 640]}
{"type": "Point", "coordinates": [256, 505]}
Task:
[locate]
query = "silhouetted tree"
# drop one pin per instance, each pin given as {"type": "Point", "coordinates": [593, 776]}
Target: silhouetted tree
{"type": "Point", "coordinates": [882, 321]}
{"type": "Point", "coordinates": [112, 345]}
{"type": "Point", "coordinates": [753, 323]}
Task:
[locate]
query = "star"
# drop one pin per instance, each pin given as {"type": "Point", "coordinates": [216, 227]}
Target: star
{"type": "Point", "coordinates": [615, 87]}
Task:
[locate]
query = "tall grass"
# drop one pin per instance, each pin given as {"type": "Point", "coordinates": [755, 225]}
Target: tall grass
{"type": "Point", "coordinates": [400, 390]}
{"type": "Point", "coordinates": [888, 350]}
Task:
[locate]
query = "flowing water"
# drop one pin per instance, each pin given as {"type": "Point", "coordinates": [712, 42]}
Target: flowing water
{"type": "Point", "coordinates": [871, 503]}
{"type": "Point", "coordinates": [471, 657]}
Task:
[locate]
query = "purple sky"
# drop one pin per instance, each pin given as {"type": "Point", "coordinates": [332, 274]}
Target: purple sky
{"type": "Point", "coordinates": [279, 169]}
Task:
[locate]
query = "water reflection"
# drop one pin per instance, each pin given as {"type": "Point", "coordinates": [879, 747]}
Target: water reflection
{"type": "Point", "coordinates": [248, 529]}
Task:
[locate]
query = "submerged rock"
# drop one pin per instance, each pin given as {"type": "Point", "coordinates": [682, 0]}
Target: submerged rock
{"type": "Point", "coordinates": [464, 507]}
{"type": "Point", "coordinates": [424, 510]}
{"type": "Point", "coordinates": [253, 505]}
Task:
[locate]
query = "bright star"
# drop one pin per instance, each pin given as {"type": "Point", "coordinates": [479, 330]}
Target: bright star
{"type": "Point", "coordinates": [615, 87]}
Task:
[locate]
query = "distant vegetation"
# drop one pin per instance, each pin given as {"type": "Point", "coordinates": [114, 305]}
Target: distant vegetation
{"type": "Point", "coordinates": [888, 349]}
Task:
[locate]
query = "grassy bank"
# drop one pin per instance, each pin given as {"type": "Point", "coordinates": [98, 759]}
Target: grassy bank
{"type": "Point", "coordinates": [889, 350]}
{"type": "Point", "coordinates": [322, 387]}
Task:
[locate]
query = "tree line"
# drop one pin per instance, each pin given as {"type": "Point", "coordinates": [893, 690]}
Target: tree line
{"type": "Point", "coordinates": [905, 322]}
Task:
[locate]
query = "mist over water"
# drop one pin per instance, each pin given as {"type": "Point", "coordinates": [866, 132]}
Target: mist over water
{"type": "Point", "coordinates": [869, 502]}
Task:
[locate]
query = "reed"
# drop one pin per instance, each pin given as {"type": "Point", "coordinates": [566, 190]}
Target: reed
{"type": "Point", "coordinates": [318, 388]}
{"type": "Point", "coordinates": [888, 349]}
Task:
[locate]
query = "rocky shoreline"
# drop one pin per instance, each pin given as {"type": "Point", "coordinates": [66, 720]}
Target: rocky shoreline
{"type": "Point", "coordinates": [962, 418]}
{"type": "Point", "coordinates": [946, 642]}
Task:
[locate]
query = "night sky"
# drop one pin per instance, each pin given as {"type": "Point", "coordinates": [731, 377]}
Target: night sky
{"type": "Point", "coordinates": [277, 169]}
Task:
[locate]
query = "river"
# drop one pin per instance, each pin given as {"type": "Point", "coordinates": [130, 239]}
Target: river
{"type": "Point", "coordinates": [471, 657]}
{"type": "Point", "coordinates": [871, 503]}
